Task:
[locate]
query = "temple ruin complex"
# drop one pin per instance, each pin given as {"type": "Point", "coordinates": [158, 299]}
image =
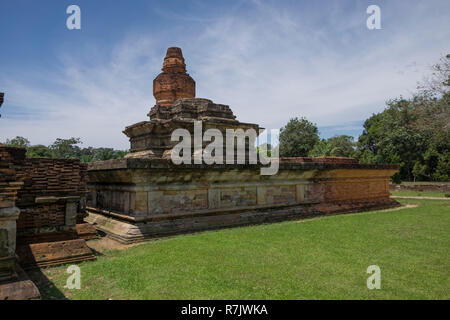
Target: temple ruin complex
{"type": "Point", "coordinates": [146, 195]}
{"type": "Point", "coordinates": [45, 203]}
{"type": "Point", "coordinates": [41, 211]}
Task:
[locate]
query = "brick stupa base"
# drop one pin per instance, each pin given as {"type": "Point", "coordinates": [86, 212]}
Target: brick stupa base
{"type": "Point", "coordinates": [135, 199]}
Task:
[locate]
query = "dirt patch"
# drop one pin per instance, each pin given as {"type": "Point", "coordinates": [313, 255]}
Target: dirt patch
{"type": "Point", "coordinates": [107, 243]}
{"type": "Point", "coordinates": [417, 197]}
{"type": "Point", "coordinates": [441, 187]}
{"type": "Point", "coordinates": [362, 212]}
{"type": "Point", "coordinates": [407, 206]}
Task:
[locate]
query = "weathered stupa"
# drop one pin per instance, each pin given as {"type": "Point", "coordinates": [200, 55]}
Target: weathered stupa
{"type": "Point", "coordinates": [173, 83]}
{"type": "Point", "coordinates": [146, 195]}
{"type": "Point", "coordinates": [177, 108]}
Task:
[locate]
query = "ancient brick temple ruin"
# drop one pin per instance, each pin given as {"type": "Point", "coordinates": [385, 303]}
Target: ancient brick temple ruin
{"type": "Point", "coordinates": [14, 282]}
{"type": "Point", "coordinates": [146, 195]}
{"type": "Point", "coordinates": [41, 201]}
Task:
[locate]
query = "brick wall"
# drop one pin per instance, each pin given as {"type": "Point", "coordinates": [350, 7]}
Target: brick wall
{"type": "Point", "coordinates": [48, 178]}
{"type": "Point", "coordinates": [8, 178]}
{"type": "Point", "coordinates": [51, 177]}
{"type": "Point", "coordinates": [22, 180]}
{"type": "Point", "coordinates": [331, 160]}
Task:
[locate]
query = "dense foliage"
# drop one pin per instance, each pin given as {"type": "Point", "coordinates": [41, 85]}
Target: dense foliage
{"type": "Point", "coordinates": [298, 138]}
{"type": "Point", "coordinates": [413, 133]}
{"type": "Point", "coordinates": [337, 146]}
{"type": "Point", "coordinates": [66, 148]}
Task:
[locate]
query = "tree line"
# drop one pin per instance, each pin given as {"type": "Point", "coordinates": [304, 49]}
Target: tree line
{"type": "Point", "coordinates": [66, 148]}
{"type": "Point", "coordinates": [413, 133]}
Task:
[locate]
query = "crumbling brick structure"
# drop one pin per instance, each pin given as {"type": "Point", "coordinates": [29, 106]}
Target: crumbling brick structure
{"type": "Point", "coordinates": [51, 201]}
{"type": "Point", "coordinates": [173, 83]}
{"type": "Point", "coordinates": [46, 197]}
{"type": "Point", "coordinates": [177, 108]}
{"type": "Point", "coordinates": [54, 191]}
{"type": "Point", "coordinates": [145, 195]}
{"type": "Point", "coordinates": [14, 284]}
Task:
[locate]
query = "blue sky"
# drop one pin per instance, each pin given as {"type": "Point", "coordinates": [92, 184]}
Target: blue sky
{"type": "Point", "coordinates": [269, 60]}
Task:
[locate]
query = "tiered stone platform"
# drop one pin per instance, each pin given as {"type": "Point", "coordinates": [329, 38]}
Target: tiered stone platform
{"type": "Point", "coordinates": [145, 195]}
{"type": "Point", "coordinates": [135, 199]}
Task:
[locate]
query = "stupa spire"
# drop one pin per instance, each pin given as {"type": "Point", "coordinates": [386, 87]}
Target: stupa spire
{"type": "Point", "coordinates": [173, 83]}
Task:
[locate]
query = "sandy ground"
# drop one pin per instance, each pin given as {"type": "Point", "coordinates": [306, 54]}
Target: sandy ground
{"type": "Point", "coordinates": [357, 213]}
{"type": "Point", "coordinates": [105, 243]}
{"type": "Point", "coordinates": [426, 198]}
{"type": "Point", "coordinates": [400, 208]}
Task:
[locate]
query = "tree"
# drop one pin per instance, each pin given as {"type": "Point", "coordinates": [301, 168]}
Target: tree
{"type": "Point", "coordinates": [393, 137]}
{"type": "Point", "coordinates": [298, 138]}
{"type": "Point", "coordinates": [342, 146]}
{"type": "Point", "coordinates": [439, 80]}
{"type": "Point", "coordinates": [321, 149]}
{"type": "Point", "coordinates": [100, 154]}
{"type": "Point", "coordinates": [66, 148]}
{"type": "Point", "coordinates": [337, 146]}
{"type": "Point", "coordinates": [265, 149]}
{"type": "Point", "coordinates": [39, 151]}
{"type": "Point", "coordinates": [18, 142]}
{"type": "Point", "coordinates": [415, 132]}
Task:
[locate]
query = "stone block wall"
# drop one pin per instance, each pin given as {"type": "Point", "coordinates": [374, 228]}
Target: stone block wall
{"type": "Point", "coordinates": [44, 196]}
{"type": "Point", "coordinates": [51, 189]}
{"type": "Point", "coordinates": [8, 178]}
{"type": "Point", "coordinates": [8, 211]}
{"type": "Point", "coordinates": [132, 199]}
{"type": "Point", "coordinates": [142, 191]}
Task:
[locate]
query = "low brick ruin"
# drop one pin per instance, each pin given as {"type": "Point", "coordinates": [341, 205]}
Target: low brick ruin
{"type": "Point", "coordinates": [14, 283]}
{"type": "Point", "coordinates": [145, 195]}
{"type": "Point", "coordinates": [51, 202]}
{"type": "Point", "coordinates": [423, 187]}
{"type": "Point", "coordinates": [53, 194]}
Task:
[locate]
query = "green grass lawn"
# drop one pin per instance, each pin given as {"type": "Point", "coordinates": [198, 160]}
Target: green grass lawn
{"type": "Point", "coordinates": [321, 258]}
{"type": "Point", "coordinates": [417, 193]}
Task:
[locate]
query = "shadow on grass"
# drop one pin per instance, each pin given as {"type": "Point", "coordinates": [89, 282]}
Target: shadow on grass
{"type": "Point", "coordinates": [48, 290]}
{"type": "Point", "coordinates": [96, 252]}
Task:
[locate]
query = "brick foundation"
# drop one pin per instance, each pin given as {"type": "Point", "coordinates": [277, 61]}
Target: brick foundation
{"type": "Point", "coordinates": [135, 199]}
